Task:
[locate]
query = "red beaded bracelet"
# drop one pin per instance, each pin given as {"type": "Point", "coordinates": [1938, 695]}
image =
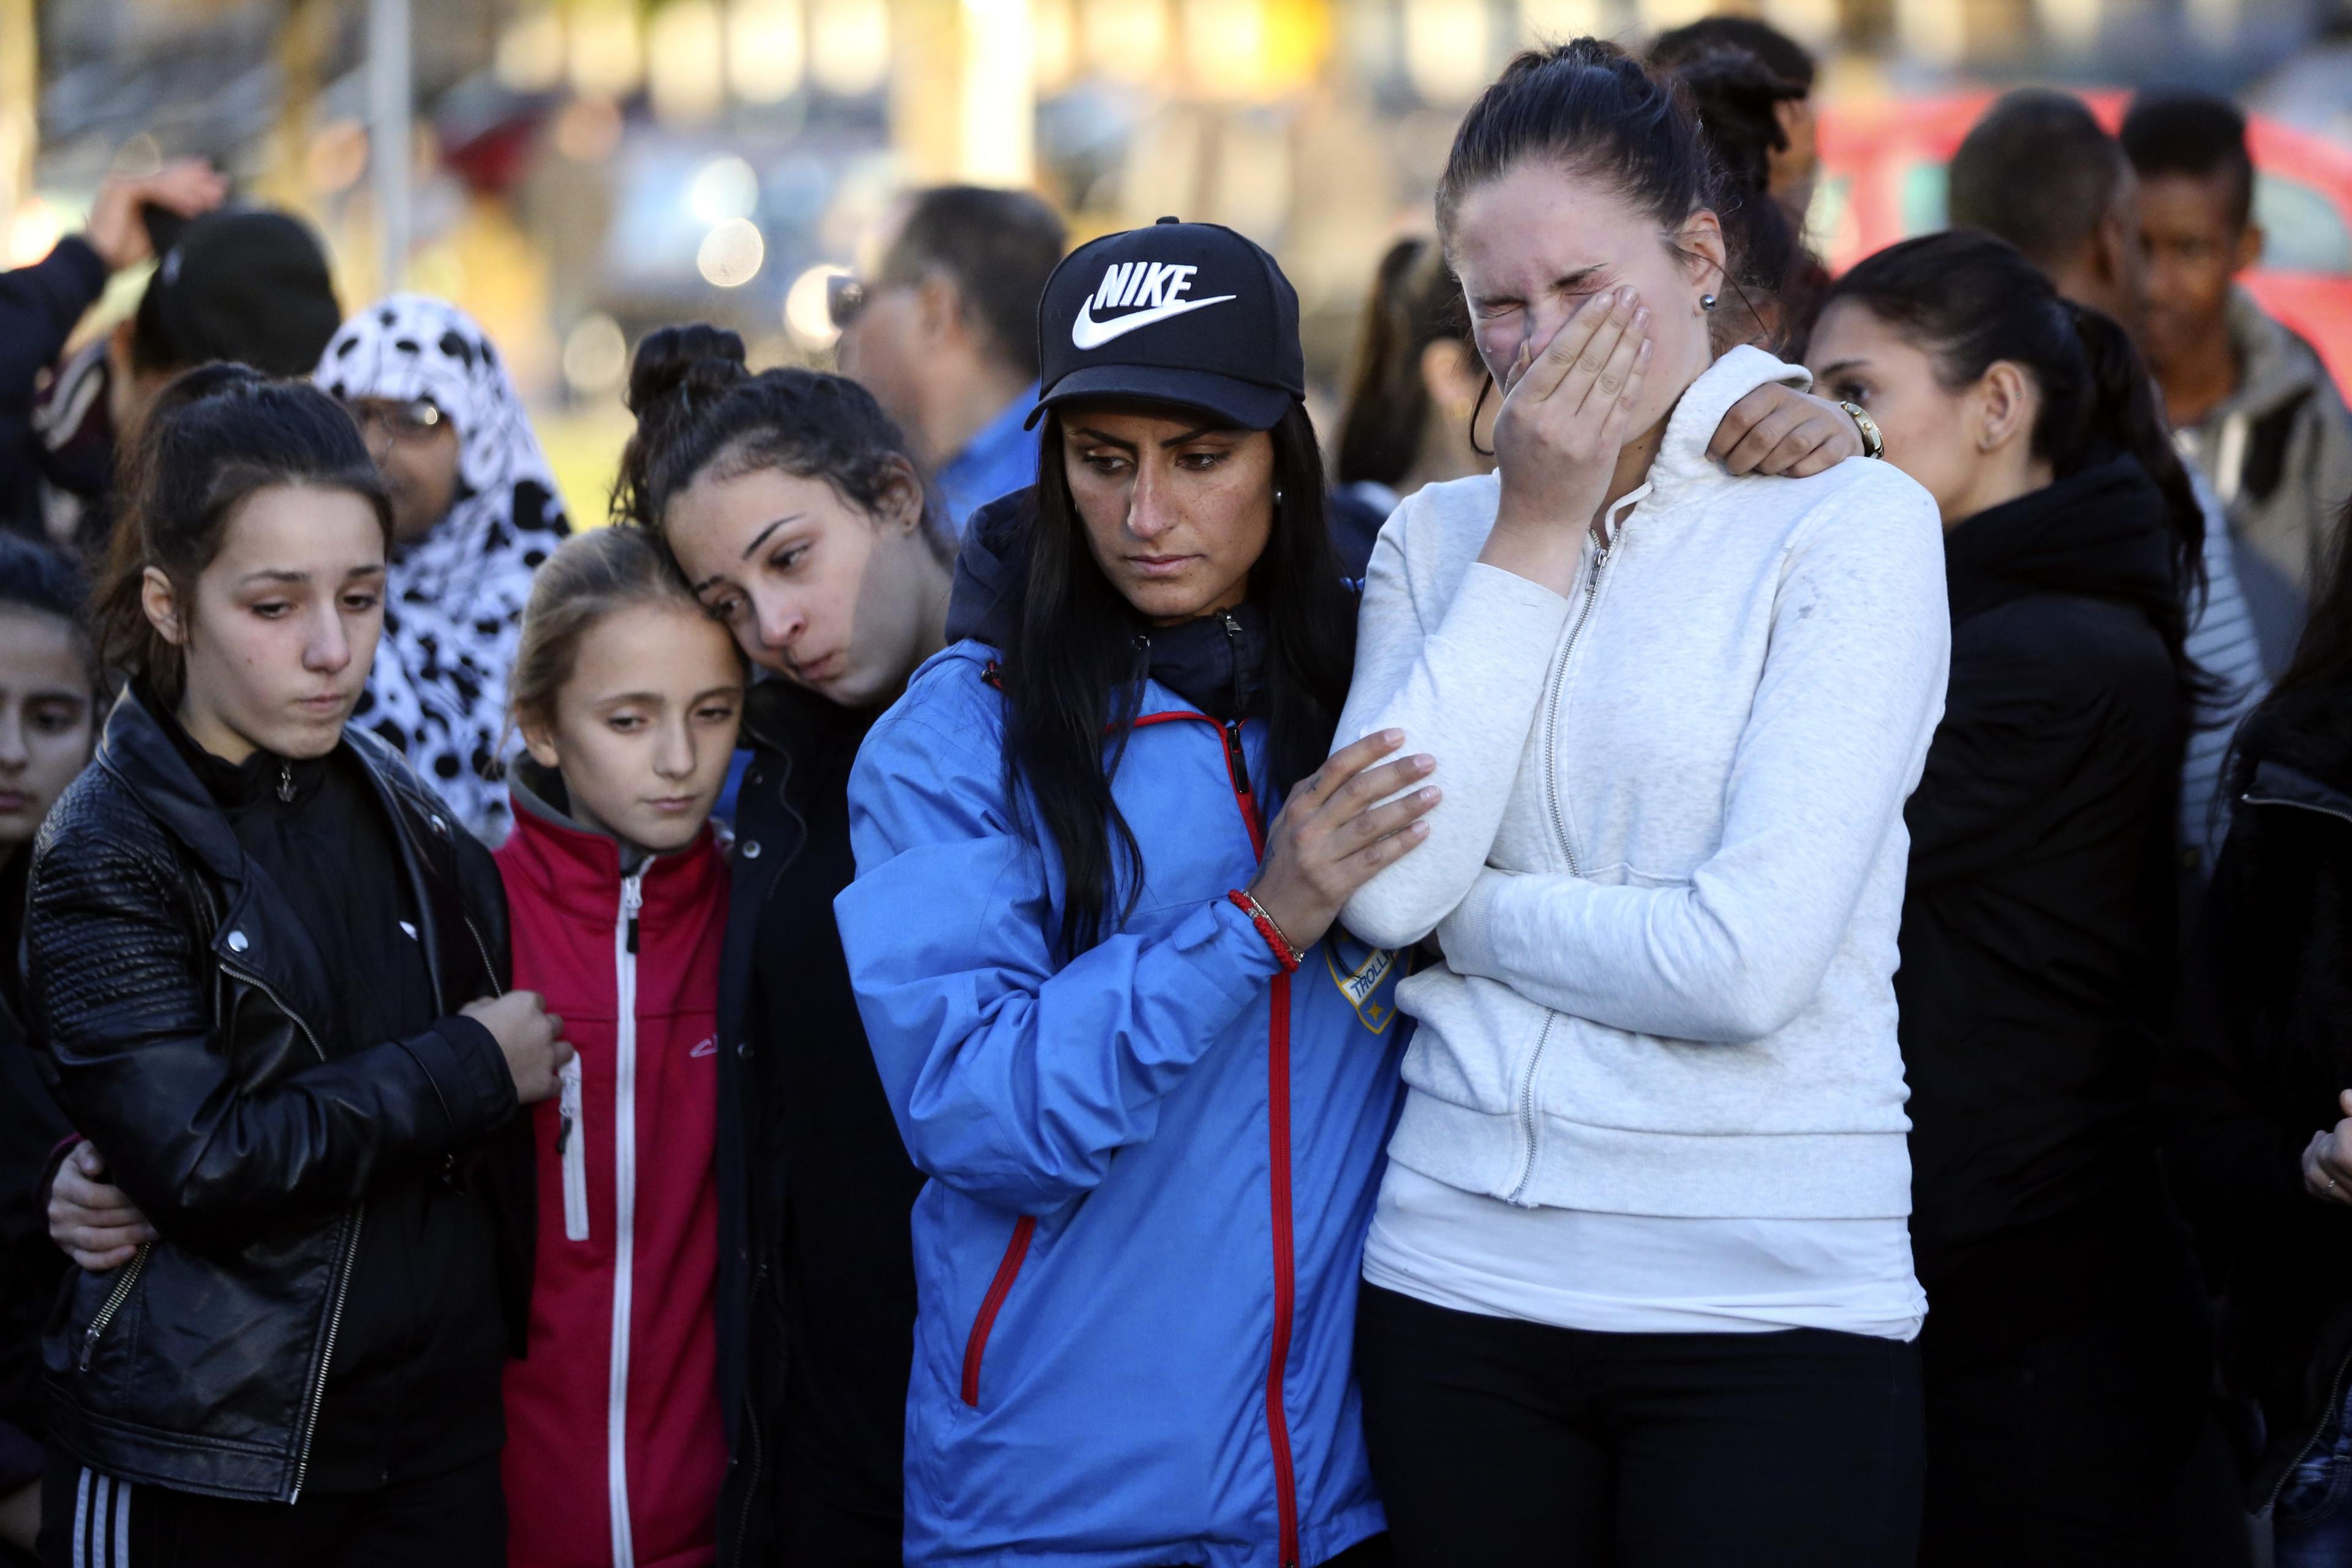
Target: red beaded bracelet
{"type": "Point", "coordinates": [1284, 952]}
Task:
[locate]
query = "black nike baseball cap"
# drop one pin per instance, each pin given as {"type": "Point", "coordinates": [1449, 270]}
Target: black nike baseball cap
{"type": "Point", "coordinates": [1189, 313]}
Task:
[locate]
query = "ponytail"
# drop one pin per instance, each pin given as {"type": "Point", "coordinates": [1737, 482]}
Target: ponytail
{"type": "Point", "coordinates": [2123, 416]}
{"type": "Point", "coordinates": [1971, 300]}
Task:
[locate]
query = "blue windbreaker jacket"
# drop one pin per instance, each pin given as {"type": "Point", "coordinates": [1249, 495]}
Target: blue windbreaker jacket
{"type": "Point", "coordinates": [1152, 1168]}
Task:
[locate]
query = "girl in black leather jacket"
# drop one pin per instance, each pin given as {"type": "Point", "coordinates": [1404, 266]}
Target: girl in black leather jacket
{"type": "Point", "coordinates": [263, 965]}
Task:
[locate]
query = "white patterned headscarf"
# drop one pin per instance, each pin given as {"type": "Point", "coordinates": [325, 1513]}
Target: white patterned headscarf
{"type": "Point", "coordinates": [453, 610]}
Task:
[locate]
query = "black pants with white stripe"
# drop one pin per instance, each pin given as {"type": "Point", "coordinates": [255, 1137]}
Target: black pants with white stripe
{"type": "Point", "coordinates": [453, 1521]}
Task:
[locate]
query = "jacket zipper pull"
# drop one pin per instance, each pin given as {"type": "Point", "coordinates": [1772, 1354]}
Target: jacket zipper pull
{"type": "Point", "coordinates": [633, 899]}
{"type": "Point", "coordinates": [285, 781]}
{"type": "Point", "coordinates": [562, 1134]}
{"type": "Point", "coordinates": [1236, 762]}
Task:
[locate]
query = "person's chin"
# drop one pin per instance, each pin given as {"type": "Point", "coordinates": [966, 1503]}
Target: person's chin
{"type": "Point", "coordinates": [1168, 599]}
{"type": "Point", "coordinates": [665, 832]}
{"type": "Point", "coordinates": [311, 728]}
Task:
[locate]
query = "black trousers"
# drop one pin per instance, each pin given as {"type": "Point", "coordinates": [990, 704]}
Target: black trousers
{"type": "Point", "coordinates": [458, 1519]}
{"type": "Point", "coordinates": [1499, 1441]}
{"type": "Point", "coordinates": [2073, 1451]}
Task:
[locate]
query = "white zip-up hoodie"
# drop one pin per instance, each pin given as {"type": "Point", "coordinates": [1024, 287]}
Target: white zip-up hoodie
{"type": "Point", "coordinates": [1667, 870]}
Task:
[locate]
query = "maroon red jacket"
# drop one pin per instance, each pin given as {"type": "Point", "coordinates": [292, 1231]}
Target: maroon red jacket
{"type": "Point", "coordinates": [620, 1383]}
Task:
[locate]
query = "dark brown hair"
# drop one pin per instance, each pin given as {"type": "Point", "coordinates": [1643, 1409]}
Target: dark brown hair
{"type": "Point", "coordinates": [215, 436]}
{"type": "Point", "coordinates": [590, 577]}
{"type": "Point", "coordinates": [1590, 108]}
{"type": "Point", "coordinates": [701, 410]}
{"type": "Point", "coordinates": [1415, 302]}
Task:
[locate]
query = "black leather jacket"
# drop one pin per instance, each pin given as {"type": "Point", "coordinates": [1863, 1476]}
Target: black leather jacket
{"type": "Point", "coordinates": [175, 997]}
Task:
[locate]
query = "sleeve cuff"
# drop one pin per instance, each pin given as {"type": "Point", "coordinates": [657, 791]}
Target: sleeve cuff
{"type": "Point", "coordinates": [462, 1057]}
{"type": "Point", "coordinates": [1490, 591]}
{"type": "Point", "coordinates": [1467, 936]}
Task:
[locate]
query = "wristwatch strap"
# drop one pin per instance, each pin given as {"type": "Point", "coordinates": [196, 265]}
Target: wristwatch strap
{"type": "Point", "coordinates": [1874, 444]}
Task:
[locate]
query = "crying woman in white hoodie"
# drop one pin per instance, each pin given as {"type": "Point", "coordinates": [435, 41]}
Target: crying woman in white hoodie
{"type": "Point", "coordinates": [1639, 1287]}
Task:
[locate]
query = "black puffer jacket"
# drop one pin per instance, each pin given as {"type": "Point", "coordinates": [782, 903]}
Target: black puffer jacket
{"type": "Point", "coordinates": [182, 1010]}
{"type": "Point", "coordinates": [2264, 1048]}
{"type": "Point", "coordinates": [2038, 919]}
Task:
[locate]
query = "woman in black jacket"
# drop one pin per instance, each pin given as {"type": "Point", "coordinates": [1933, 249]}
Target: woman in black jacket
{"type": "Point", "coordinates": [790, 503]}
{"type": "Point", "coordinates": [2064, 1351]}
{"type": "Point", "coordinates": [260, 966]}
{"type": "Point", "coordinates": [2260, 1085]}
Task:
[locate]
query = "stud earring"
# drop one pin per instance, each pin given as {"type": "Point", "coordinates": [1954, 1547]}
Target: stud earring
{"type": "Point", "coordinates": [1707, 301]}
{"type": "Point", "coordinates": [1277, 497]}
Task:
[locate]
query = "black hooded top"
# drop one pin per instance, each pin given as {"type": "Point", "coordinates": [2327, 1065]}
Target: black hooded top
{"type": "Point", "coordinates": [2039, 919]}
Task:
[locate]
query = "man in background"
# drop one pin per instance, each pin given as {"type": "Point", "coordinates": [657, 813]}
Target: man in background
{"type": "Point", "coordinates": [944, 334]}
{"type": "Point", "coordinates": [2250, 400]}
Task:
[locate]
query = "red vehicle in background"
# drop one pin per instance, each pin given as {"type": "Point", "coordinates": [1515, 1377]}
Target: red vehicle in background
{"type": "Point", "coordinates": [1883, 179]}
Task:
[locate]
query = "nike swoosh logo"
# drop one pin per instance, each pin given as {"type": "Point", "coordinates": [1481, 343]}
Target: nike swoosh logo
{"type": "Point", "coordinates": [1088, 334]}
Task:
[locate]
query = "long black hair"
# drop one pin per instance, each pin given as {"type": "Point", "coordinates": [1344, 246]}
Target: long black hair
{"type": "Point", "coordinates": [1074, 674]}
{"type": "Point", "coordinates": [215, 436]}
{"type": "Point", "coordinates": [1591, 107]}
{"type": "Point", "coordinates": [701, 410]}
{"type": "Point", "coordinates": [1970, 300]}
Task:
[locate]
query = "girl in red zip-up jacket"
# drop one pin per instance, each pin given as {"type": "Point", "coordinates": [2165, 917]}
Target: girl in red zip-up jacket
{"type": "Point", "coordinates": [628, 696]}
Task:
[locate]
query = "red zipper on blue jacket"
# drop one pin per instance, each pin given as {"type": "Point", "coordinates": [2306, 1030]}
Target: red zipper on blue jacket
{"type": "Point", "coordinates": [1277, 1119]}
{"type": "Point", "coordinates": [1277, 1122]}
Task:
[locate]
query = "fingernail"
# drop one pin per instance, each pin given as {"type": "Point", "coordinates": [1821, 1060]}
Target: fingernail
{"type": "Point", "coordinates": [1643, 352]}
{"type": "Point", "coordinates": [1393, 737]}
{"type": "Point", "coordinates": [1425, 762]}
{"type": "Point", "coordinates": [1641, 316]}
{"type": "Point", "coordinates": [1429, 794]}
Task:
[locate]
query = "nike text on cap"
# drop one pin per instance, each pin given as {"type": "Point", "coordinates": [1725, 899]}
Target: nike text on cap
{"type": "Point", "coordinates": [1189, 313]}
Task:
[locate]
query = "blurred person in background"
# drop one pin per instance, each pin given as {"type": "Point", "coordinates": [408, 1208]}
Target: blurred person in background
{"type": "Point", "coordinates": [2065, 1354]}
{"type": "Point", "coordinates": [1794, 161]}
{"type": "Point", "coordinates": [944, 335]}
{"type": "Point", "coordinates": [40, 305]}
{"type": "Point", "coordinates": [475, 511]}
{"type": "Point", "coordinates": [51, 690]}
{"type": "Point", "coordinates": [2260, 1085]}
{"type": "Point", "coordinates": [247, 286]}
{"type": "Point", "coordinates": [800, 518]}
{"type": "Point", "coordinates": [1413, 395]}
{"type": "Point", "coordinates": [2249, 399]}
{"type": "Point", "coordinates": [1743, 111]}
{"type": "Point", "coordinates": [2038, 171]}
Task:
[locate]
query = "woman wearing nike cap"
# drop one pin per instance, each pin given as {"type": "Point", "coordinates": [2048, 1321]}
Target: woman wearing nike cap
{"type": "Point", "coordinates": [1099, 853]}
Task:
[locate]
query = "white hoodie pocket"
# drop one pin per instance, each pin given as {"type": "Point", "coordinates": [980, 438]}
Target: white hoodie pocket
{"type": "Point", "coordinates": [571, 1144]}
